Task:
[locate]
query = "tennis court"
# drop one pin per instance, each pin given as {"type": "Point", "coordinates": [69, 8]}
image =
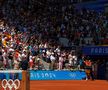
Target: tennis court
{"type": "Point", "coordinates": [69, 85]}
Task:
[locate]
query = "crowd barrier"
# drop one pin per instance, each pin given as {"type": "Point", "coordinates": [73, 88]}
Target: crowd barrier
{"type": "Point", "coordinates": [48, 75]}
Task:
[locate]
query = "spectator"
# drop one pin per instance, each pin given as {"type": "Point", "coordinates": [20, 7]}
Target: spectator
{"type": "Point", "coordinates": [52, 58]}
{"type": "Point", "coordinates": [88, 67]}
{"type": "Point", "coordinates": [61, 62]}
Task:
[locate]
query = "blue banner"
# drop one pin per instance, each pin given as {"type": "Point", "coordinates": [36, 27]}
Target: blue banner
{"type": "Point", "coordinates": [95, 50]}
{"type": "Point", "coordinates": [97, 5]}
{"type": "Point", "coordinates": [57, 75]}
{"type": "Point", "coordinates": [48, 75]}
{"type": "Point", "coordinates": [10, 76]}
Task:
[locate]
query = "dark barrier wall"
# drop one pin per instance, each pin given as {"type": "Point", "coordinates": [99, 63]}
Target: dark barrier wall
{"type": "Point", "coordinates": [101, 71]}
{"type": "Point", "coordinates": [107, 70]}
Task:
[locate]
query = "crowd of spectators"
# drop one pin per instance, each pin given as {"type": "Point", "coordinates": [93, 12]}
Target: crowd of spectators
{"type": "Point", "coordinates": [36, 33]}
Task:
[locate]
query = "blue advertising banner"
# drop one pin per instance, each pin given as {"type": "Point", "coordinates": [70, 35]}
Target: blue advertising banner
{"type": "Point", "coordinates": [95, 50]}
{"type": "Point", "coordinates": [97, 5]}
{"type": "Point", "coordinates": [49, 75]}
{"type": "Point", "coordinates": [57, 75]}
{"type": "Point", "coordinates": [10, 76]}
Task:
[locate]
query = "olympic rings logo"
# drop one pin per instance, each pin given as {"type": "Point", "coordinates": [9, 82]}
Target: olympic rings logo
{"type": "Point", "coordinates": [10, 84]}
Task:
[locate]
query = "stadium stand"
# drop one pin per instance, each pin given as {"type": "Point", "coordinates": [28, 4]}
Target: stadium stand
{"type": "Point", "coordinates": [44, 35]}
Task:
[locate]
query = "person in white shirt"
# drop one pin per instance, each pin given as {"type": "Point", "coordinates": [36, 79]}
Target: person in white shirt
{"type": "Point", "coordinates": [70, 59]}
{"type": "Point", "coordinates": [48, 53]}
{"type": "Point", "coordinates": [74, 60]}
{"type": "Point", "coordinates": [31, 62]}
{"type": "Point", "coordinates": [5, 58]}
{"type": "Point", "coordinates": [52, 58]}
{"type": "Point", "coordinates": [61, 62]}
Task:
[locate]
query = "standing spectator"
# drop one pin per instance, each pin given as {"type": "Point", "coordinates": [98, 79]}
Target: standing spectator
{"type": "Point", "coordinates": [52, 58]}
{"type": "Point", "coordinates": [88, 68]}
{"type": "Point", "coordinates": [81, 63]}
{"type": "Point", "coordinates": [74, 60]}
{"type": "Point", "coordinates": [31, 62]}
{"type": "Point", "coordinates": [5, 61]}
{"type": "Point", "coordinates": [70, 58]}
{"type": "Point", "coordinates": [61, 62]}
{"type": "Point", "coordinates": [10, 57]}
{"type": "Point", "coordinates": [24, 64]}
{"type": "Point", "coordinates": [1, 60]}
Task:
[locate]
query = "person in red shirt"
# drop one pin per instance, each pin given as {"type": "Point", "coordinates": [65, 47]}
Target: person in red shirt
{"type": "Point", "coordinates": [88, 69]}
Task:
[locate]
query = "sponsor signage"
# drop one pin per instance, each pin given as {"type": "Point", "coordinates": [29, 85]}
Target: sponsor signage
{"type": "Point", "coordinates": [95, 50]}
{"type": "Point", "coordinates": [49, 75]}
